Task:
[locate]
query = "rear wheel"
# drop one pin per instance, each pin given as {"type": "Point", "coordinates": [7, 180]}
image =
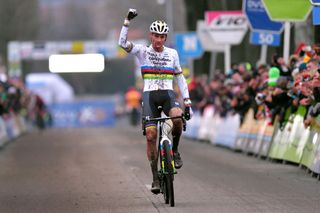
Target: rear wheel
{"type": "Point", "coordinates": [168, 176]}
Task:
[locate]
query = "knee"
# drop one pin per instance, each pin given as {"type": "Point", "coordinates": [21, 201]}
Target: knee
{"type": "Point", "coordinates": [177, 123]}
{"type": "Point", "coordinates": [151, 134]}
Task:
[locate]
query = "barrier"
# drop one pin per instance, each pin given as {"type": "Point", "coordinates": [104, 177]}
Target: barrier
{"type": "Point", "coordinates": [216, 127]}
{"type": "Point", "coordinates": [292, 142]}
{"type": "Point", "coordinates": [266, 140]}
{"type": "Point", "coordinates": [243, 134]}
{"type": "Point", "coordinates": [206, 124]}
{"type": "Point", "coordinates": [226, 130]}
{"type": "Point", "coordinates": [311, 152]}
{"type": "Point", "coordinates": [12, 127]}
{"type": "Point", "coordinates": [22, 124]}
{"type": "Point", "coordinates": [297, 137]}
{"type": "Point", "coordinates": [193, 126]}
{"type": "Point", "coordinates": [3, 133]}
{"type": "Point", "coordinates": [255, 136]}
{"type": "Point", "coordinates": [279, 140]}
{"type": "Point", "coordinates": [288, 144]}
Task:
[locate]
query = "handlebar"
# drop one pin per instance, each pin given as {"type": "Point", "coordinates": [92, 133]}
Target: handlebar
{"type": "Point", "coordinates": [161, 119]}
{"type": "Point", "coordinates": [147, 118]}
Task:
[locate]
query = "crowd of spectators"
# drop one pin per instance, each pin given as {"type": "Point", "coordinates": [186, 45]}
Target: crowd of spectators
{"type": "Point", "coordinates": [270, 89]}
{"type": "Point", "coordinates": [16, 99]}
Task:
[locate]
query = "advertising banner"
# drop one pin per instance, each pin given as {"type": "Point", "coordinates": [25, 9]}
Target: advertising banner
{"type": "Point", "coordinates": [83, 114]}
{"type": "Point", "coordinates": [208, 44]}
{"type": "Point", "coordinates": [227, 27]}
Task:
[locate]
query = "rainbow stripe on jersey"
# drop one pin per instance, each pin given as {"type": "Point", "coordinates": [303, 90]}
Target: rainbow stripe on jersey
{"type": "Point", "coordinates": [161, 73]}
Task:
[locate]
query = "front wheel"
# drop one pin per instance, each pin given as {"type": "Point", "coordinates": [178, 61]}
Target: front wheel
{"type": "Point", "coordinates": [169, 173]}
{"type": "Point", "coordinates": [165, 189]}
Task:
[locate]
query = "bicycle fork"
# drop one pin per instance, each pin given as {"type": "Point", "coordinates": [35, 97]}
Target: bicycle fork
{"type": "Point", "coordinates": [162, 153]}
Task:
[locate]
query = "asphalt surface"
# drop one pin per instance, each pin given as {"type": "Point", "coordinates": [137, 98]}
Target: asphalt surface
{"type": "Point", "coordinates": [106, 170]}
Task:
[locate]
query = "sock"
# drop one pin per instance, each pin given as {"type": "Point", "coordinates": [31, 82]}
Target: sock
{"type": "Point", "coordinates": [175, 141]}
{"type": "Point", "coordinates": [154, 169]}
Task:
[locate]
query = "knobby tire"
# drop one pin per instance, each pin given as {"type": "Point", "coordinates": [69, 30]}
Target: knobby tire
{"type": "Point", "coordinates": [168, 181]}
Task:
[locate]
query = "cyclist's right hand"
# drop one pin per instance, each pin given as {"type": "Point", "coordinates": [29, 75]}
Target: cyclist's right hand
{"type": "Point", "coordinates": [132, 13]}
{"type": "Point", "coordinates": [188, 113]}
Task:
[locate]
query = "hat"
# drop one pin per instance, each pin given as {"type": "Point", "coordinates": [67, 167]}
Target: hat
{"type": "Point", "coordinates": [274, 74]}
{"type": "Point", "coordinates": [248, 66]}
{"type": "Point", "coordinates": [302, 67]}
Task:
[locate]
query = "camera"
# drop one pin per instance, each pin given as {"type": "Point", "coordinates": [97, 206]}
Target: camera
{"type": "Point", "coordinates": [260, 97]}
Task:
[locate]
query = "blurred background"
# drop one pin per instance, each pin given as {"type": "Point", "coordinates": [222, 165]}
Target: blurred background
{"type": "Point", "coordinates": [100, 20]}
{"type": "Point", "coordinates": [32, 30]}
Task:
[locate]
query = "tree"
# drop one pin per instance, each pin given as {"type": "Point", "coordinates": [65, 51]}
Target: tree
{"type": "Point", "coordinates": [18, 21]}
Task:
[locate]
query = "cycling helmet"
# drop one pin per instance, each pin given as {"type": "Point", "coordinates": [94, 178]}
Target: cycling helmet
{"type": "Point", "coordinates": [159, 27]}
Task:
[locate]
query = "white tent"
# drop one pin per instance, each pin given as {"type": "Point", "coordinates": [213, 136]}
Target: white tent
{"type": "Point", "coordinates": [50, 86]}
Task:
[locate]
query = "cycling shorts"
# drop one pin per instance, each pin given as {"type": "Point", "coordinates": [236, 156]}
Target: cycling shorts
{"type": "Point", "coordinates": [154, 102]}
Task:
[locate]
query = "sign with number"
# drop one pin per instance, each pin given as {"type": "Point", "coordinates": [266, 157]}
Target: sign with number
{"type": "Point", "coordinates": [188, 45]}
{"type": "Point", "coordinates": [265, 38]}
{"type": "Point", "coordinates": [264, 30]}
{"type": "Point", "coordinates": [227, 27]}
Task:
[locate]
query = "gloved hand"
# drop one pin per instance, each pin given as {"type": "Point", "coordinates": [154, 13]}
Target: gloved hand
{"type": "Point", "coordinates": [188, 113]}
{"type": "Point", "coordinates": [188, 110]}
{"type": "Point", "coordinates": [132, 13]}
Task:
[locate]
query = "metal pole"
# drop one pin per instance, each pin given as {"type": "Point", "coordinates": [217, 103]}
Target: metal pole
{"type": "Point", "coordinates": [286, 46]}
{"type": "Point", "coordinates": [169, 15]}
{"type": "Point", "coordinates": [227, 58]}
{"type": "Point", "coordinates": [213, 61]}
{"type": "Point", "coordinates": [263, 55]}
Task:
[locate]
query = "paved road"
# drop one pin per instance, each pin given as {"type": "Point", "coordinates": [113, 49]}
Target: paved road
{"type": "Point", "coordinates": [105, 170]}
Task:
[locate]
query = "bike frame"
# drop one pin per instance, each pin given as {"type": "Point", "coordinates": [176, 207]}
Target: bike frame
{"type": "Point", "coordinates": [165, 127]}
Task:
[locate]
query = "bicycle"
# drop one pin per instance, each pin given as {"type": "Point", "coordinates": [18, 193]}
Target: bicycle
{"type": "Point", "coordinates": [165, 155]}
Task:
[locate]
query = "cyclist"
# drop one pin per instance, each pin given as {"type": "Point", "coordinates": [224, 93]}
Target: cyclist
{"type": "Point", "coordinates": [159, 66]}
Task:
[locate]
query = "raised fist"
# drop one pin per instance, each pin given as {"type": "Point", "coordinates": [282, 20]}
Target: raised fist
{"type": "Point", "coordinates": [131, 14]}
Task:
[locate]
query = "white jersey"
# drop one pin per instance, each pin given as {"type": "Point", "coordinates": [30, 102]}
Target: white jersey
{"type": "Point", "coordinates": [158, 69]}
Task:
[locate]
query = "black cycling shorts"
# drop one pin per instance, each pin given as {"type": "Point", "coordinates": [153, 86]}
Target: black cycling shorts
{"type": "Point", "coordinates": [152, 100]}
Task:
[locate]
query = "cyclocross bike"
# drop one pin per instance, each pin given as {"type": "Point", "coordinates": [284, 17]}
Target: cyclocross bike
{"type": "Point", "coordinates": [165, 155]}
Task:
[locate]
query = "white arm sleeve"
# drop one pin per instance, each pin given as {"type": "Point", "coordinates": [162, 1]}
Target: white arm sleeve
{"type": "Point", "coordinates": [182, 85]}
{"type": "Point", "coordinates": [126, 45]}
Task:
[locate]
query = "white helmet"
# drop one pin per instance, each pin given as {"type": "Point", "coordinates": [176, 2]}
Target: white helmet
{"type": "Point", "coordinates": [159, 27]}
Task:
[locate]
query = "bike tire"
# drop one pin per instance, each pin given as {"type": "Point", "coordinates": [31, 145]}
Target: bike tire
{"type": "Point", "coordinates": [165, 191]}
{"type": "Point", "coordinates": [169, 173]}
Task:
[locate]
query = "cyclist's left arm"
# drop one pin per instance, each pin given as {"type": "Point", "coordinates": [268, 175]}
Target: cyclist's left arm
{"type": "Point", "coordinates": [182, 83]}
